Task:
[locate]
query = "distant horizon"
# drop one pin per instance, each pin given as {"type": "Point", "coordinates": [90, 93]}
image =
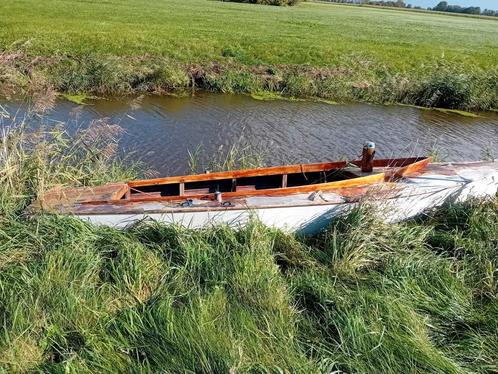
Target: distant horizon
{"type": "Point", "coordinates": [484, 4]}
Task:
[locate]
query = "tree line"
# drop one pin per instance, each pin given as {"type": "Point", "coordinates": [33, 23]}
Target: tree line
{"type": "Point", "coordinates": [443, 6]}
{"type": "Point", "coordinates": [267, 2]}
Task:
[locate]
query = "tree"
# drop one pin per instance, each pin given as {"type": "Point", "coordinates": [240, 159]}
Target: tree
{"type": "Point", "coordinates": [441, 7]}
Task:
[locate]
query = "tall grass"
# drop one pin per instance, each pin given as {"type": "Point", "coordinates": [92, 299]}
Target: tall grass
{"type": "Point", "coordinates": [31, 161]}
{"type": "Point", "coordinates": [363, 296]}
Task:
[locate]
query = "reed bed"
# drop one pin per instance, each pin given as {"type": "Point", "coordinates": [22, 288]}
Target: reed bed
{"type": "Point", "coordinates": [363, 296]}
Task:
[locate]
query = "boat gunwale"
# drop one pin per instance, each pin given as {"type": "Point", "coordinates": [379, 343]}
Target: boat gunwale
{"type": "Point", "coordinates": [387, 187]}
{"type": "Point", "coordinates": [402, 166]}
{"type": "Point", "coordinates": [220, 208]}
{"type": "Point", "coordinates": [399, 167]}
{"type": "Point", "coordinates": [141, 210]}
{"type": "Point", "coordinates": [329, 186]}
{"type": "Point", "coordinates": [273, 170]}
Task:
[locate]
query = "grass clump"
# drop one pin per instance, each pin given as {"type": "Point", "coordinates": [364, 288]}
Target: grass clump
{"type": "Point", "coordinates": [363, 296]}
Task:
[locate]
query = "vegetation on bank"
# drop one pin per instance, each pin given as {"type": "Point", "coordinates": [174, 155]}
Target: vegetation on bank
{"type": "Point", "coordinates": [310, 50]}
{"type": "Point", "coordinates": [363, 296]}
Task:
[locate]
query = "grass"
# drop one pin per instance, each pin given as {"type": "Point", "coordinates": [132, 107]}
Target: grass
{"type": "Point", "coordinates": [335, 52]}
{"type": "Point", "coordinates": [363, 296]}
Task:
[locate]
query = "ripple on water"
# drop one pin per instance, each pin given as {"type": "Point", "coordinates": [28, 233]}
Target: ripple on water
{"type": "Point", "coordinates": [161, 130]}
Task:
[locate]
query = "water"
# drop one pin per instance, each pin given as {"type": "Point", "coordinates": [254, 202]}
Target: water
{"type": "Point", "coordinates": [161, 130]}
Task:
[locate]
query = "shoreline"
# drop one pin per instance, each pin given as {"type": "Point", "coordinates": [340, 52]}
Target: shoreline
{"type": "Point", "coordinates": [439, 86]}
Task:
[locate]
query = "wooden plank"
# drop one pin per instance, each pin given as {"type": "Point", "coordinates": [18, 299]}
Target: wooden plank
{"type": "Point", "coordinates": [251, 187]}
{"type": "Point", "coordinates": [152, 195]}
{"type": "Point", "coordinates": [397, 168]}
{"type": "Point", "coordinates": [391, 162]}
{"type": "Point", "coordinates": [121, 192]}
{"type": "Point", "coordinates": [196, 191]}
{"type": "Point", "coordinates": [74, 195]}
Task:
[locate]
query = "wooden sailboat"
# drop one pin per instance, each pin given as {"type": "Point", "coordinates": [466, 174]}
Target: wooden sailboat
{"type": "Point", "coordinates": [300, 197]}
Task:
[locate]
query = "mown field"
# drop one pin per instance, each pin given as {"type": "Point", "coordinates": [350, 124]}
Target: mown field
{"type": "Point", "coordinates": [337, 52]}
{"type": "Point", "coordinates": [362, 297]}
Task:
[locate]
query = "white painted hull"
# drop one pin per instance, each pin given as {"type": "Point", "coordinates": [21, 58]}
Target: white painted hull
{"type": "Point", "coordinates": [307, 219]}
{"type": "Point", "coordinates": [300, 214]}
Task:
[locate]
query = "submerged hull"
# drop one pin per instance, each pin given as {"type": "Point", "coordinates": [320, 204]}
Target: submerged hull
{"type": "Point", "coordinates": [306, 212]}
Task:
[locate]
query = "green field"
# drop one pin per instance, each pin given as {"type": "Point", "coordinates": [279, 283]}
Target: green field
{"type": "Point", "coordinates": [338, 52]}
{"type": "Point", "coordinates": [363, 297]}
{"type": "Point", "coordinates": [200, 30]}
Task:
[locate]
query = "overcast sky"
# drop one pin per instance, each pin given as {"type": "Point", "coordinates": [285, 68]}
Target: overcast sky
{"type": "Point", "coordinates": [490, 4]}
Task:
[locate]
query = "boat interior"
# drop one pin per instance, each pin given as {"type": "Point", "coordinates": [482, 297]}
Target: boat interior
{"type": "Point", "coordinates": [299, 178]}
{"type": "Point", "coordinates": [234, 185]}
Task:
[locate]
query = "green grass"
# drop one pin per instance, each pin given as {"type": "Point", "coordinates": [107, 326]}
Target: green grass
{"type": "Point", "coordinates": [336, 52]}
{"type": "Point", "coordinates": [363, 296]}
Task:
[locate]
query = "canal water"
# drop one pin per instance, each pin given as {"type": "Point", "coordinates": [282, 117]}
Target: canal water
{"type": "Point", "coordinates": [160, 131]}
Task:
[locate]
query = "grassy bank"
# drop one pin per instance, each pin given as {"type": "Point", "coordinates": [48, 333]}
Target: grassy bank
{"type": "Point", "coordinates": [362, 297]}
{"type": "Point", "coordinates": [340, 53]}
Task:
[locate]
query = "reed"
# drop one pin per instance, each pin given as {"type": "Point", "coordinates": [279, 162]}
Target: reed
{"type": "Point", "coordinates": [237, 156]}
{"type": "Point", "coordinates": [32, 161]}
{"type": "Point", "coordinates": [363, 296]}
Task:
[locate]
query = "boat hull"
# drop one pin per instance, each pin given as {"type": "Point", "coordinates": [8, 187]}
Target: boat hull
{"type": "Point", "coordinates": [412, 197]}
{"type": "Point", "coordinates": [309, 213]}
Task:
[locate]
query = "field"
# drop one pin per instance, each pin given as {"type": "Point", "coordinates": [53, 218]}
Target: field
{"type": "Point", "coordinates": [336, 52]}
{"type": "Point", "coordinates": [364, 296]}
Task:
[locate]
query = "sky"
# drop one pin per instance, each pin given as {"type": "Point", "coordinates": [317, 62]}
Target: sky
{"type": "Point", "coordinates": [490, 4]}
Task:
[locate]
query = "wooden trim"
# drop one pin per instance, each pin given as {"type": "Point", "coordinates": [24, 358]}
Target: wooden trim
{"type": "Point", "coordinates": [413, 168]}
{"type": "Point", "coordinates": [288, 169]}
{"type": "Point", "coordinates": [275, 170]}
{"type": "Point", "coordinates": [392, 162]}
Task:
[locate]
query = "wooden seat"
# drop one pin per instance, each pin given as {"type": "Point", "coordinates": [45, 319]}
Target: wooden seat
{"type": "Point", "coordinates": [196, 191]}
{"type": "Point", "coordinates": [144, 194]}
{"type": "Point", "coordinates": [249, 187]}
